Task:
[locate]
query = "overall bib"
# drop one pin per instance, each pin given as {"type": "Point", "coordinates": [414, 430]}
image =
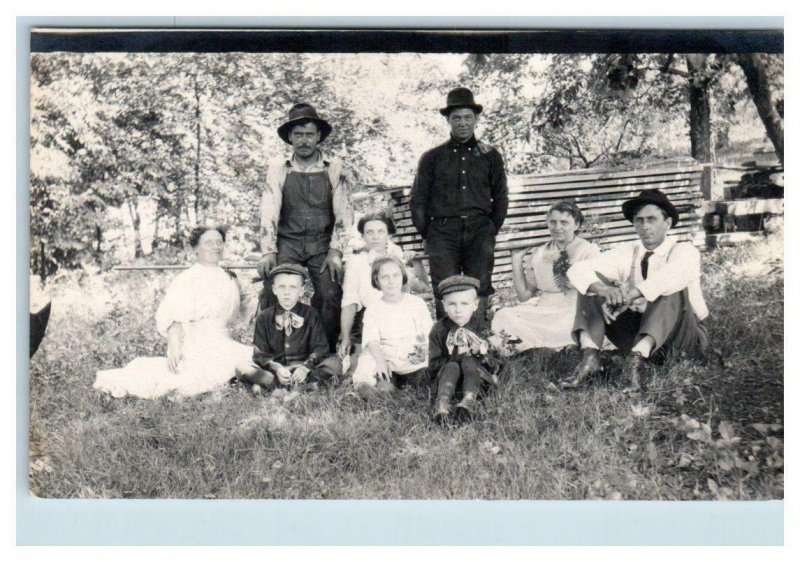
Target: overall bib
{"type": "Point", "coordinates": [304, 237]}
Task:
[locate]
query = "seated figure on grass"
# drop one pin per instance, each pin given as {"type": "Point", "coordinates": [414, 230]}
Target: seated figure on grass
{"type": "Point", "coordinates": [544, 320]}
{"type": "Point", "coordinates": [291, 347]}
{"type": "Point", "coordinates": [376, 228]}
{"type": "Point", "coordinates": [395, 335]}
{"type": "Point", "coordinates": [644, 296]}
{"type": "Point", "coordinates": [194, 317]}
{"type": "Point", "coordinates": [457, 353]}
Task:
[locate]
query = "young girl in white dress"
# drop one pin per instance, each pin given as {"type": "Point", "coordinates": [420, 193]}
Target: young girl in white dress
{"type": "Point", "coordinates": [395, 336]}
{"type": "Point", "coordinates": [194, 316]}
{"type": "Point", "coordinates": [545, 319]}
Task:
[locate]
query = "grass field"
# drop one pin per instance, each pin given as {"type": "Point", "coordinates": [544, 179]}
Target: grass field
{"type": "Point", "coordinates": [700, 432]}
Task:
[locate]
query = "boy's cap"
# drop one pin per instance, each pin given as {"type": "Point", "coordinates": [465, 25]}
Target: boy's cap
{"type": "Point", "coordinates": [456, 283]}
{"type": "Point", "coordinates": [293, 268]}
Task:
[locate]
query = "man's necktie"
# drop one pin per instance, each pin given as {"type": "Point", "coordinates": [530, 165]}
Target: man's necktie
{"type": "Point", "coordinates": [646, 264]}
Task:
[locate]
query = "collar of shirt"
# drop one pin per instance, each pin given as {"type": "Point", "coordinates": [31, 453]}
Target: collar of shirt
{"type": "Point", "coordinates": [662, 250]}
{"type": "Point", "coordinates": [472, 142]}
{"type": "Point", "coordinates": [319, 164]}
{"type": "Point", "coordinates": [471, 325]}
{"type": "Point", "coordinates": [296, 309]}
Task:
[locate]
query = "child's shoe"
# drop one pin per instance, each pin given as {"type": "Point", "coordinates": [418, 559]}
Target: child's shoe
{"type": "Point", "coordinates": [442, 411]}
{"type": "Point", "coordinates": [466, 408]}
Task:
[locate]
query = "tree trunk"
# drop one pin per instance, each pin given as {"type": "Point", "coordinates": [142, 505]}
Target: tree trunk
{"type": "Point", "coordinates": [758, 84]}
{"type": "Point", "coordinates": [700, 116]}
{"type": "Point", "coordinates": [197, 151]}
{"type": "Point", "coordinates": [136, 220]}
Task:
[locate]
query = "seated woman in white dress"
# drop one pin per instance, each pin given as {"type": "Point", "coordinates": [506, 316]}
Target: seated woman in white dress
{"type": "Point", "coordinates": [194, 316]}
{"type": "Point", "coordinates": [546, 320]}
{"type": "Point", "coordinates": [357, 290]}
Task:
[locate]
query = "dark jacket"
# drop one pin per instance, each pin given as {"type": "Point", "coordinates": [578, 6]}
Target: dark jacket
{"type": "Point", "coordinates": [459, 179]}
{"type": "Point", "coordinates": [307, 344]}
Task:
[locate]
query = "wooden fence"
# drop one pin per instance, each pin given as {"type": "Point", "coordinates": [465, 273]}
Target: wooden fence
{"type": "Point", "coordinates": [599, 194]}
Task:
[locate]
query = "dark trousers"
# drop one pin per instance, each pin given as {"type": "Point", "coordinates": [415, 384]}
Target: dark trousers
{"type": "Point", "coordinates": [451, 374]}
{"type": "Point", "coordinates": [669, 320]}
{"type": "Point", "coordinates": [327, 297]}
{"type": "Point", "coordinates": [461, 246]}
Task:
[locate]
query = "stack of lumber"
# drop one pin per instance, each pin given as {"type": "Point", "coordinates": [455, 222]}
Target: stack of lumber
{"type": "Point", "coordinates": [599, 194]}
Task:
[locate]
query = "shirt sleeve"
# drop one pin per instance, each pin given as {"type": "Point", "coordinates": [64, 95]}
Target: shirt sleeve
{"type": "Point", "coordinates": [270, 210]}
{"type": "Point", "coordinates": [425, 322]}
{"type": "Point", "coordinates": [371, 329]}
{"type": "Point", "coordinates": [499, 184]}
{"type": "Point", "coordinates": [420, 194]}
{"type": "Point", "coordinates": [680, 269]}
{"type": "Point", "coordinates": [318, 343]}
{"type": "Point", "coordinates": [179, 303]}
{"type": "Point", "coordinates": [437, 348]}
{"type": "Point", "coordinates": [342, 209]}
{"type": "Point", "coordinates": [263, 354]}
{"type": "Point", "coordinates": [611, 264]}
{"type": "Point", "coordinates": [353, 279]}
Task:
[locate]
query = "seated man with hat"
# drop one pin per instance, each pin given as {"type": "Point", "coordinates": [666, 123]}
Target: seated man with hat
{"type": "Point", "coordinates": [644, 296]}
{"type": "Point", "coordinates": [291, 348]}
{"type": "Point", "coordinates": [307, 213]}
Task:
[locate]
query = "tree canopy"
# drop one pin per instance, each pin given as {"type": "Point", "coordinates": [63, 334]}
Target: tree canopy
{"type": "Point", "coordinates": [128, 151]}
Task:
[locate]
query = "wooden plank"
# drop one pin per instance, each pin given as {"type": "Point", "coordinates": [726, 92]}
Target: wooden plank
{"type": "Point", "coordinates": [576, 190]}
{"type": "Point", "coordinates": [588, 206]}
{"type": "Point", "coordinates": [409, 234]}
{"type": "Point", "coordinates": [733, 238]}
{"type": "Point", "coordinates": [744, 207]}
{"type": "Point", "coordinates": [609, 238]}
{"type": "Point", "coordinates": [590, 211]}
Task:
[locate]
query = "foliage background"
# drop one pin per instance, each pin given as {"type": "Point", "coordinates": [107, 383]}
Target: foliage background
{"type": "Point", "coordinates": [128, 151]}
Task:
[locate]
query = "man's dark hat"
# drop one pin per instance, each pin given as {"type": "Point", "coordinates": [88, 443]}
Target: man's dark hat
{"type": "Point", "coordinates": [292, 268]}
{"type": "Point", "coordinates": [379, 215]}
{"type": "Point", "coordinates": [300, 114]}
{"type": "Point", "coordinates": [649, 197]}
{"type": "Point", "coordinates": [456, 283]}
{"type": "Point", "coordinates": [461, 97]}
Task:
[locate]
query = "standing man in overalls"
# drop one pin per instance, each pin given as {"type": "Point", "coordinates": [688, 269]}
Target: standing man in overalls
{"type": "Point", "coordinates": [459, 201]}
{"type": "Point", "coordinates": [306, 214]}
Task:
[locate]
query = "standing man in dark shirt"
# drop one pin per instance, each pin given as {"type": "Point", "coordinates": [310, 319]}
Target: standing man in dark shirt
{"type": "Point", "coordinates": [459, 201]}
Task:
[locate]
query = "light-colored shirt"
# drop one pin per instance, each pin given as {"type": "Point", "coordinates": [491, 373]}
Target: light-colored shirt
{"type": "Point", "coordinates": [201, 293]}
{"type": "Point", "coordinates": [272, 198]}
{"type": "Point", "coordinates": [400, 328]}
{"type": "Point", "coordinates": [672, 268]}
{"type": "Point", "coordinates": [357, 287]}
{"type": "Point", "coordinates": [539, 269]}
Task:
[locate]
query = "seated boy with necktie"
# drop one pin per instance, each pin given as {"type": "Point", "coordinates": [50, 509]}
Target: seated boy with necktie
{"type": "Point", "coordinates": [291, 347]}
{"type": "Point", "coordinates": [457, 352]}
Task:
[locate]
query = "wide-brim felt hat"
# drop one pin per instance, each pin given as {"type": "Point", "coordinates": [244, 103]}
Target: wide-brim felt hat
{"type": "Point", "coordinates": [456, 283]}
{"type": "Point", "coordinates": [461, 97]}
{"type": "Point", "coordinates": [649, 197]}
{"type": "Point", "coordinates": [291, 268]}
{"type": "Point", "coordinates": [380, 215]}
{"type": "Point", "coordinates": [303, 113]}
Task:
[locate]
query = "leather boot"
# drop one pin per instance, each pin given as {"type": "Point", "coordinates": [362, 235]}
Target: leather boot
{"type": "Point", "coordinates": [632, 372]}
{"type": "Point", "coordinates": [466, 408]}
{"type": "Point", "coordinates": [589, 365]}
{"type": "Point", "coordinates": [442, 411]}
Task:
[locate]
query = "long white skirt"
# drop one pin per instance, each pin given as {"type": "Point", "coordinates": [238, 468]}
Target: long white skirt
{"type": "Point", "coordinates": [210, 358]}
{"type": "Point", "coordinates": [544, 321]}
